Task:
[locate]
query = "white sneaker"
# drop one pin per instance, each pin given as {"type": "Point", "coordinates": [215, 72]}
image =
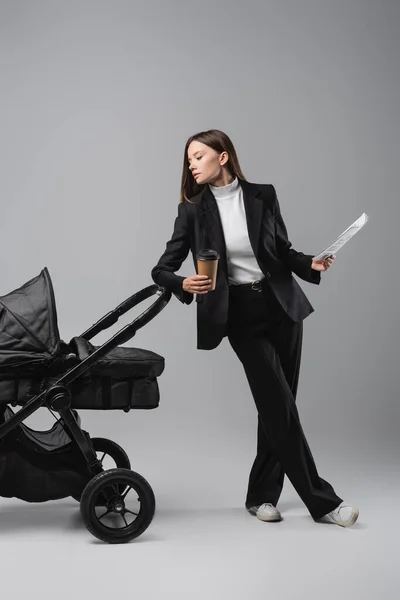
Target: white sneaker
{"type": "Point", "coordinates": [265, 512]}
{"type": "Point", "coordinates": [344, 515]}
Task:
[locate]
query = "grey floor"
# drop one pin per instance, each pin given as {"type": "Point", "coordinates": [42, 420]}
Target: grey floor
{"type": "Point", "coordinates": [220, 552]}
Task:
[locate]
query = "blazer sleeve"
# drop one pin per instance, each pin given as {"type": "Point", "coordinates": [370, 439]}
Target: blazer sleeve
{"type": "Point", "coordinates": [176, 251]}
{"type": "Point", "coordinates": [297, 262]}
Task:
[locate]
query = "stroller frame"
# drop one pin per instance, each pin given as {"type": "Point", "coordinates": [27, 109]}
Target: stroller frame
{"type": "Point", "coordinates": [58, 397]}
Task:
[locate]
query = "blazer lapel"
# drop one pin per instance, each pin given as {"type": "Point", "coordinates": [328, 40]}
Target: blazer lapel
{"type": "Point", "coordinates": [253, 204]}
{"type": "Point", "coordinates": [211, 225]}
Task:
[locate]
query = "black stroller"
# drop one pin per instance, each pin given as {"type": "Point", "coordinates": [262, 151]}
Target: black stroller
{"type": "Point", "coordinates": [38, 369]}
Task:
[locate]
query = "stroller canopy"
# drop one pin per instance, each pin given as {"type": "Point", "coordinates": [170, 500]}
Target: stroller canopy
{"type": "Point", "coordinates": [28, 324]}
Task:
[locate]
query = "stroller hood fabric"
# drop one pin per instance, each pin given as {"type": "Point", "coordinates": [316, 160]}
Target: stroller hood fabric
{"type": "Point", "coordinates": [28, 324]}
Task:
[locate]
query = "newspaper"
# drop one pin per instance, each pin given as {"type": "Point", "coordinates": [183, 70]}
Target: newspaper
{"type": "Point", "coordinates": [343, 238]}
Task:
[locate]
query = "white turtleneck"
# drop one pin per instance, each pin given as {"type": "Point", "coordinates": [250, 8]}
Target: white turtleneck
{"type": "Point", "coordinates": [242, 264]}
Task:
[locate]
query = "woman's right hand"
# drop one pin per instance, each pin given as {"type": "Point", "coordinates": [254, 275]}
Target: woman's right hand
{"type": "Point", "coordinates": [197, 284]}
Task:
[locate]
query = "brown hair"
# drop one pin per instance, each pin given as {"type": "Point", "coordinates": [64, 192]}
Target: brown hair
{"type": "Point", "coordinates": [218, 141]}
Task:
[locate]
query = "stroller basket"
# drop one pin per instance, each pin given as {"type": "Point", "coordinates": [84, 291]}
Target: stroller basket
{"type": "Point", "coordinates": [125, 378]}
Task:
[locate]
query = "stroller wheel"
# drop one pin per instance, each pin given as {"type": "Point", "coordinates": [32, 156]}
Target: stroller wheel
{"type": "Point", "coordinates": [107, 449]}
{"type": "Point", "coordinates": [113, 515]}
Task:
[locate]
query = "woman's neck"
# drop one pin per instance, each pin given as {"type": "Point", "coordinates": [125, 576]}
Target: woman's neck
{"type": "Point", "coordinates": [224, 179]}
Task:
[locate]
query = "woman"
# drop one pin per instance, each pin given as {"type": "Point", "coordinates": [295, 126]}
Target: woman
{"type": "Point", "coordinates": [258, 305]}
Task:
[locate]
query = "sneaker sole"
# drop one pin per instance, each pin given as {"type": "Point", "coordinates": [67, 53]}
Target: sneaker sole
{"type": "Point", "coordinates": [350, 521]}
{"type": "Point", "coordinates": [269, 518]}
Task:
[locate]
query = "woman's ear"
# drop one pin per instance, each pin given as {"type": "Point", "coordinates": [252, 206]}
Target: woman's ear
{"type": "Point", "coordinates": [223, 158]}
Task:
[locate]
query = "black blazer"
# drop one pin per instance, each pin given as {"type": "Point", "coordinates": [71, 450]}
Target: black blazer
{"type": "Point", "coordinates": [198, 225]}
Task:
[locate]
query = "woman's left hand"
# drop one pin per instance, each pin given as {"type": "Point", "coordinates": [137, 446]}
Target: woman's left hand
{"type": "Point", "coordinates": [324, 264]}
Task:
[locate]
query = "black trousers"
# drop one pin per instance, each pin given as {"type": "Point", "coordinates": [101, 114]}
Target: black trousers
{"type": "Point", "coordinates": [268, 344]}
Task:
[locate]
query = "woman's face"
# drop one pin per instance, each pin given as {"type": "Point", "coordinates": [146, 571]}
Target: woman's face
{"type": "Point", "coordinates": [205, 163]}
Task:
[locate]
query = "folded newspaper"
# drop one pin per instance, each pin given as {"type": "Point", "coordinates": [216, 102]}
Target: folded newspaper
{"type": "Point", "coordinates": [343, 238]}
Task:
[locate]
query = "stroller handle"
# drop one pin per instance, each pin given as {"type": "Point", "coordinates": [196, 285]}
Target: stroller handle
{"type": "Point", "coordinates": [112, 317]}
{"type": "Point", "coordinates": [122, 336]}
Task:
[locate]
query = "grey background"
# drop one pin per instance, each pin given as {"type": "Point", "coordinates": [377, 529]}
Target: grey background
{"type": "Point", "coordinates": [97, 101]}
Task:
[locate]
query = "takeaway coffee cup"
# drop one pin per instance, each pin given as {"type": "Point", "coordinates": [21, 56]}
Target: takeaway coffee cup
{"type": "Point", "coordinates": [207, 264]}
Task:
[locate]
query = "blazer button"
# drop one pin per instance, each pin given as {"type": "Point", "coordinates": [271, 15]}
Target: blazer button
{"type": "Point", "coordinates": [268, 274]}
